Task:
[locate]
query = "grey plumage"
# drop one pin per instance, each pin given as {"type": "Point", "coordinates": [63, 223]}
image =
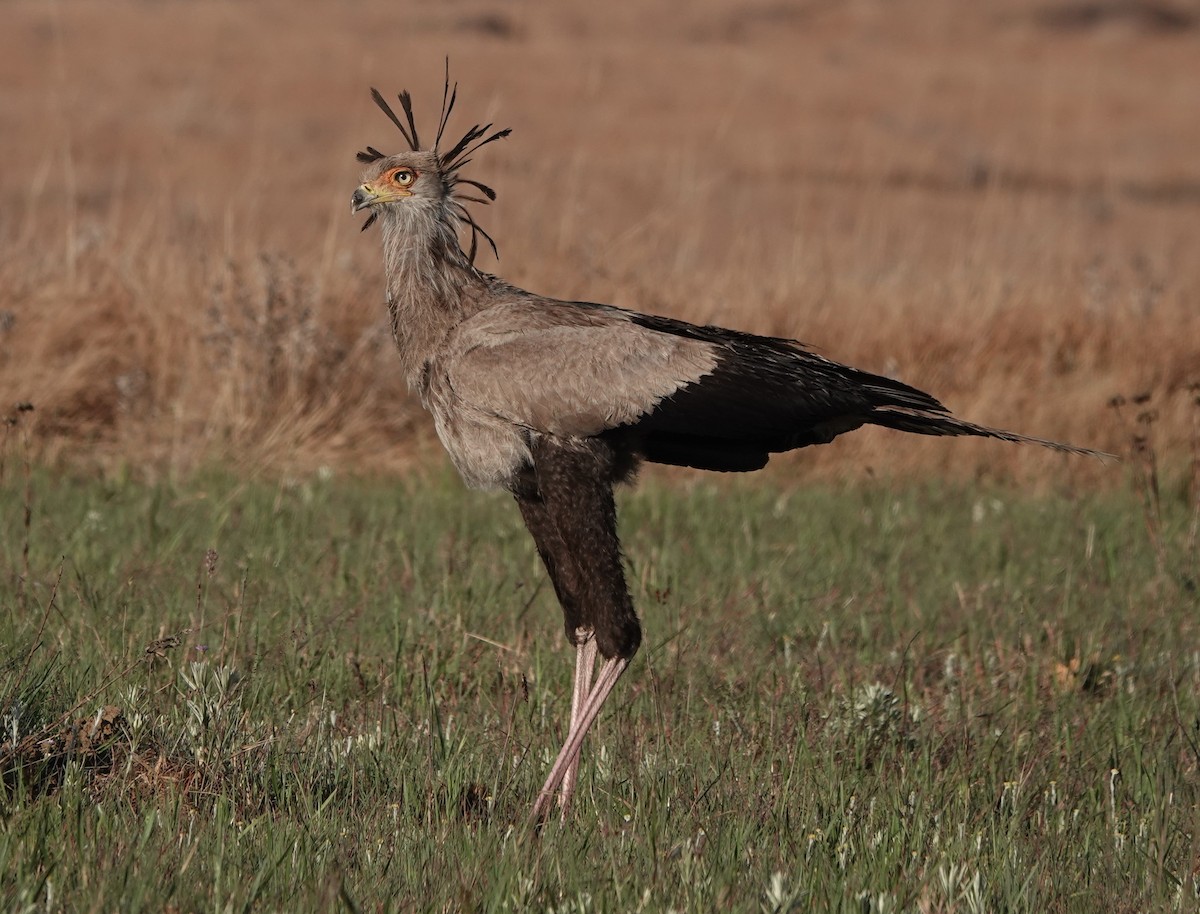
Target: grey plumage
{"type": "Point", "coordinates": [557, 401]}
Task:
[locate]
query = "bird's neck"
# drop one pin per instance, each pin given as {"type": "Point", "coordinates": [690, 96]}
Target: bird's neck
{"type": "Point", "coordinates": [431, 287]}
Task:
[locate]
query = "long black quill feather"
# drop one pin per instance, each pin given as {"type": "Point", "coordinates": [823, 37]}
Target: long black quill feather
{"type": "Point", "coordinates": [406, 104]}
{"type": "Point", "coordinates": [448, 99]}
{"type": "Point", "coordinates": [387, 109]}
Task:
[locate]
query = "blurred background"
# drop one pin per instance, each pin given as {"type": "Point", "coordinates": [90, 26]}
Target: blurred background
{"type": "Point", "coordinates": [998, 202]}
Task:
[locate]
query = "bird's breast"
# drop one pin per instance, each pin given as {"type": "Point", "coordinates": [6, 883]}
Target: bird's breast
{"type": "Point", "coordinates": [489, 452]}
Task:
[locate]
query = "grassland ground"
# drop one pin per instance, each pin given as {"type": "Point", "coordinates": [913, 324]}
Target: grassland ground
{"type": "Point", "coordinates": [229, 695]}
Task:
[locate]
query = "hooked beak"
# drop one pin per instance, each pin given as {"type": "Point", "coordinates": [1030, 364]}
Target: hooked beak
{"type": "Point", "coordinates": [368, 195]}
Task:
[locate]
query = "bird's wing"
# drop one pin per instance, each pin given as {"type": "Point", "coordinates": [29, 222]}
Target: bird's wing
{"type": "Point", "coordinates": [574, 369]}
{"type": "Point", "coordinates": [767, 395]}
{"type": "Point", "coordinates": [695, 396]}
{"type": "Point", "coordinates": [569, 369]}
{"type": "Point", "coordinates": [774, 391]}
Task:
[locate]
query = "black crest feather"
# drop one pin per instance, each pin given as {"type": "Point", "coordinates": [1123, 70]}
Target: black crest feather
{"type": "Point", "coordinates": [387, 109]}
{"type": "Point", "coordinates": [406, 104]}
{"type": "Point", "coordinates": [482, 188]}
{"type": "Point", "coordinates": [456, 158]}
{"type": "Point", "coordinates": [449, 96]}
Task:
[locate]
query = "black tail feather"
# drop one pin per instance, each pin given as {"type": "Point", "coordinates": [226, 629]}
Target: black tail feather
{"type": "Point", "coordinates": [920, 423]}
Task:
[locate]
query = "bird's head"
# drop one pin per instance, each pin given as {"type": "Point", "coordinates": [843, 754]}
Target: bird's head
{"type": "Point", "coordinates": [398, 179]}
{"type": "Point", "coordinates": [425, 180]}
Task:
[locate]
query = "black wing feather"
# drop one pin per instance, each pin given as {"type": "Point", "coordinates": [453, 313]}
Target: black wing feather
{"type": "Point", "coordinates": [767, 395]}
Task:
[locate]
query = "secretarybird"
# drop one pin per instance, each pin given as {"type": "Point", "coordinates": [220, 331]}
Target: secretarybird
{"type": "Point", "coordinates": [558, 401]}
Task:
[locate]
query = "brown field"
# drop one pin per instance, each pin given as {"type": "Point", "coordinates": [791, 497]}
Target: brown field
{"type": "Point", "coordinates": [999, 202]}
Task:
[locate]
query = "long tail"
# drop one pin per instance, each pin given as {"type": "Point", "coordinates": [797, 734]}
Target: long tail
{"type": "Point", "coordinates": [920, 422]}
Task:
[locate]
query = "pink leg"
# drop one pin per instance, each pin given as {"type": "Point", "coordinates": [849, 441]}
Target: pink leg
{"type": "Point", "coordinates": [610, 672]}
{"type": "Point", "coordinates": [585, 662]}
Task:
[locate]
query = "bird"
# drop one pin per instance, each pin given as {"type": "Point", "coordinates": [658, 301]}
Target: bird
{"type": "Point", "coordinates": [557, 402]}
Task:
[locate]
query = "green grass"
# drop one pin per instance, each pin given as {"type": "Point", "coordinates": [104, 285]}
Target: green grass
{"type": "Point", "coordinates": [858, 699]}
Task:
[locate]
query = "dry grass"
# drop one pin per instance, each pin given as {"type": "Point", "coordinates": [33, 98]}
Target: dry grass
{"type": "Point", "coordinates": [997, 202]}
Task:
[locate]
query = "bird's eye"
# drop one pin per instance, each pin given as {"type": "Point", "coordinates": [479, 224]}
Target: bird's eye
{"type": "Point", "coordinates": [404, 177]}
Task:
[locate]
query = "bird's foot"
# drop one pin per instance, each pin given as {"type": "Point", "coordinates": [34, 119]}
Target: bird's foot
{"type": "Point", "coordinates": [585, 663]}
{"type": "Point", "coordinates": [568, 756]}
